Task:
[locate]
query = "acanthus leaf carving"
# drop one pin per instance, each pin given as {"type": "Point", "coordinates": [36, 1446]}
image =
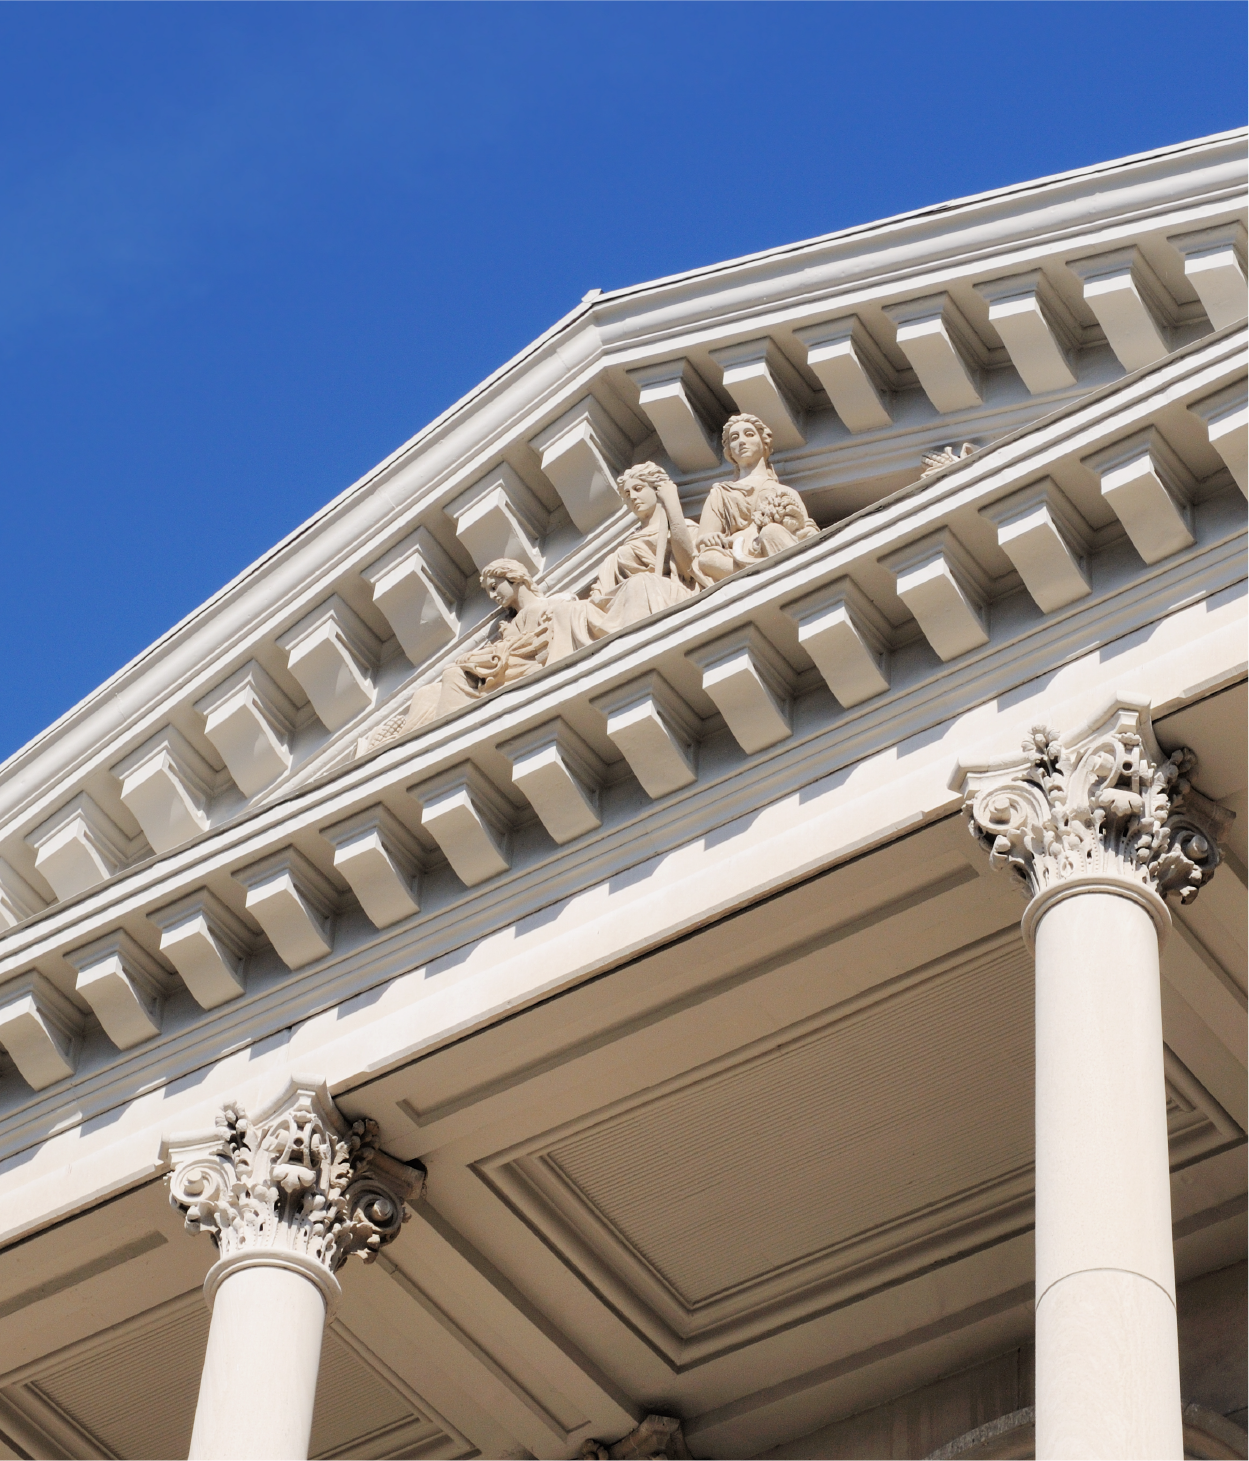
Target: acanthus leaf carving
{"type": "Point", "coordinates": [1109, 804]}
{"type": "Point", "coordinates": [299, 1179]}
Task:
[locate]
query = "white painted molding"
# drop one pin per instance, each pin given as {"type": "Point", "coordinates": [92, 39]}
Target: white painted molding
{"type": "Point", "coordinates": [419, 588]}
{"type": "Point", "coordinates": [250, 720]}
{"type": "Point", "coordinates": [945, 352]}
{"type": "Point", "coordinates": [333, 654]}
{"type": "Point", "coordinates": [854, 371]}
{"type": "Point", "coordinates": [167, 785]}
{"type": "Point", "coordinates": [1047, 541]}
{"type": "Point", "coordinates": [946, 590]}
{"type": "Point", "coordinates": [1130, 302]}
{"type": "Point", "coordinates": [18, 900]}
{"type": "Point", "coordinates": [582, 454]}
{"type": "Point", "coordinates": [655, 731]}
{"type": "Point", "coordinates": [848, 638]}
{"type": "Point", "coordinates": [762, 382]}
{"type": "Point", "coordinates": [561, 776]}
{"type": "Point", "coordinates": [470, 819]}
{"type": "Point", "coordinates": [1040, 334]}
{"type": "Point", "coordinates": [1214, 264]}
{"type": "Point", "coordinates": [294, 902]}
{"type": "Point", "coordinates": [499, 517]}
{"type": "Point", "coordinates": [1225, 416]}
{"type": "Point", "coordinates": [751, 684]}
{"type": "Point", "coordinates": [78, 847]}
{"type": "Point", "coordinates": [381, 862]}
{"type": "Point", "coordinates": [40, 1029]}
{"type": "Point", "coordinates": [124, 986]}
{"type": "Point", "coordinates": [1149, 489]}
{"type": "Point", "coordinates": [683, 410]}
{"type": "Point", "coordinates": [207, 944]}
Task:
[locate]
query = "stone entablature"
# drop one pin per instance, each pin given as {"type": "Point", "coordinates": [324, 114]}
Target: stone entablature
{"type": "Point", "coordinates": [956, 548]}
{"type": "Point", "coordinates": [887, 343]}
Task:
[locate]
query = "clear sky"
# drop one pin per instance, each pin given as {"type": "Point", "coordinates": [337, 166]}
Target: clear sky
{"type": "Point", "coordinates": [248, 250]}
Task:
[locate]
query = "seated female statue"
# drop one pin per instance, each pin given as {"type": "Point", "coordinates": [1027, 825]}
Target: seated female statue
{"type": "Point", "coordinates": [520, 645]}
{"type": "Point", "coordinates": [753, 517]}
{"type": "Point", "coordinates": [648, 572]}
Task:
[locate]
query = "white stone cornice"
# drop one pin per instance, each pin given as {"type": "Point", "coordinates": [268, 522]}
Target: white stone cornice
{"type": "Point", "coordinates": [1225, 415]}
{"type": "Point", "coordinates": [561, 776]}
{"type": "Point", "coordinates": [125, 987]}
{"type": "Point", "coordinates": [167, 785]}
{"type": "Point", "coordinates": [1131, 303]}
{"type": "Point", "coordinates": [853, 369]}
{"type": "Point", "coordinates": [751, 684]}
{"type": "Point", "coordinates": [848, 638]}
{"type": "Point", "coordinates": [419, 588]}
{"type": "Point", "coordinates": [78, 847]}
{"type": "Point", "coordinates": [1149, 488]}
{"type": "Point", "coordinates": [582, 453]}
{"type": "Point", "coordinates": [947, 591]}
{"type": "Point", "coordinates": [1039, 332]}
{"type": "Point", "coordinates": [763, 382]}
{"type": "Point", "coordinates": [683, 410]}
{"type": "Point", "coordinates": [1101, 805]}
{"type": "Point", "coordinates": [470, 819]}
{"type": "Point", "coordinates": [1046, 540]}
{"type": "Point", "coordinates": [40, 1029]}
{"type": "Point", "coordinates": [207, 944]}
{"type": "Point", "coordinates": [251, 721]}
{"type": "Point", "coordinates": [18, 900]}
{"type": "Point", "coordinates": [946, 353]}
{"type": "Point", "coordinates": [296, 1185]}
{"type": "Point", "coordinates": [656, 732]}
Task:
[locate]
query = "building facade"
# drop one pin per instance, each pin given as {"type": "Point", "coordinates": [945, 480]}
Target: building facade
{"type": "Point", "coordinates": [698, 909]}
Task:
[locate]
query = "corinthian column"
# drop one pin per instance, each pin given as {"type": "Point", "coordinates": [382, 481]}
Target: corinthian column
{"type": "Point", "coordinates": [1101, 828]}
{"type": "Point", "coordinates": [287, 1196]}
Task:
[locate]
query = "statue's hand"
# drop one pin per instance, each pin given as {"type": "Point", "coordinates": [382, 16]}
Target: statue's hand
{"type": "Point", "coordinates": [712, 540]}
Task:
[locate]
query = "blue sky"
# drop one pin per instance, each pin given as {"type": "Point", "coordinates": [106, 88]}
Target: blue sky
{"type": "Point", "coordinates": [247, 250]}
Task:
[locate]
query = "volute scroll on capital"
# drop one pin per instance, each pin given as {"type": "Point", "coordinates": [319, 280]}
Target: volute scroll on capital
{"type": "Point", "coordinates": [1103, 804]}
{"type": "Point", "coordinates": [298, 1185]}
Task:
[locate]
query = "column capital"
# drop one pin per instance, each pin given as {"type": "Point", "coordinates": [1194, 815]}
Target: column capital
{"type": "Point", "coordinates": [1102, 807]}
{"type": "Point", "coordinates": [298, 1186]}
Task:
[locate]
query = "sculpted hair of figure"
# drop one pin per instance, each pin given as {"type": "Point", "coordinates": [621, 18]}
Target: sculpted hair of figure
{"type": "Point", "coordinates": [765, 436]}
{"type": "Point", "coordinates": [649, 473]}
{"type": "Point", "coordinates": [510, 569]}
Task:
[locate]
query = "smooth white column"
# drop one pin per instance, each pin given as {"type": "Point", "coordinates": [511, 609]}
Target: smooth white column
{"type": "Point", "coordinates": [1107, 1358]}
{"type": "Point", "coordinates": [259, 1381]}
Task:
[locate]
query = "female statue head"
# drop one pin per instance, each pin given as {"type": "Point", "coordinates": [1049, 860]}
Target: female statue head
{"type": "Point", "coordinates": [504, 578]}
{"type": "Point", "coordinates": [746, 441]}
{"type": "Point", "coordinates": [639, 488]}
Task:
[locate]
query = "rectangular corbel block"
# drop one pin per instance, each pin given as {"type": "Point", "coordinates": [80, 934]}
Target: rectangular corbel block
{"type": "Point", "coordinates": [1047, 541]}
{"type": "Point", "coordinates": [763, 383]}
{"type": "Point", "coordinates": [946, 590]}
{"type": "Point", "coordinates": [380, 859]}
{"type": "Point", "coordinates": [18, 900]}
{"type": "Point", "coordinates": [294, 902]}
{"type": "Point", "coordinates": [500, 517]}
{"type": "Point", "coordinates": [683, 410]}
{"type": "Point", "coordinates": [854, 371]}
{"type": "Point", "coordinates": [582, 454]}
{"type": "Point", "coordinates": [1149, 489]}
{"type": "Point", "coordinates": [470, 819]}
{"type": "Point", "coordinates": [561, 776]}
{"type": "Point", "coordinates": [419, 588]}
{"type": "Point", "coordinates": [333, 654]}
{"type": "Point", "coordinates": [167, 785]}
{"type": "Point", "coordinates": [78, 847]}
{"type": "Point", "coordinates": [1131, 304]}
{"type": "Point", "coordinates": [125, 987]}
{"type": "Point", "coordinates": [1214, 264]}
{"type": "Point", "coordinates": [751, 685]}
{"type": "Point", "coordinates": [40, 1029]}
{"type": "Point", "coordinates": [1039, 332]}
{"type": "Point", "coordinates": [655, 731]}
{"type": "Point", "coordinates": [848, 638]}
{"type": "Point", "coordinates": [1225, 416]}
{"type": "Point", "coordinates": [250, 720]}
{"type": "Point", "coordinates": [207, 944]}
{"type": "Point", "coordinates": [945, 352]}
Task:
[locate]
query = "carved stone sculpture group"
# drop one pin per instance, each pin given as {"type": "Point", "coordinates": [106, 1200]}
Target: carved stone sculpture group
{"type": "Point", "coordinates": [665, 560]}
